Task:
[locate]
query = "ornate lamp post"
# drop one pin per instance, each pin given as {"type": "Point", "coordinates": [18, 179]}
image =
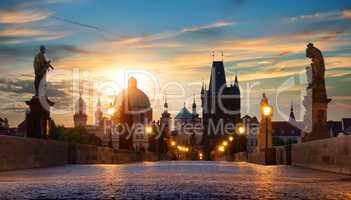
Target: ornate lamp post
{"type": "Point", "coordinates": [267, 111]}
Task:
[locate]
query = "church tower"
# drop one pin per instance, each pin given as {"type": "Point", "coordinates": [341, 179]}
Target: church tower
{"type": "Point", "coordinates": [166, 118]}
{"type": "Point", "coordinates": [220, 103]}
{"type": "Point", "coordinates": [194, 113]}
{"type": "Point", "coordinates": [80, 117]}
{"type": "Point", "coordinates": [98, 114]}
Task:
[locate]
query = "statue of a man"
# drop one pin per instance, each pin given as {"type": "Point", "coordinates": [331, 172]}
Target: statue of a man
{"type": "Point", "coordinates": [41, 66]}
{"type": "Point", "coordinates": [318, 67]}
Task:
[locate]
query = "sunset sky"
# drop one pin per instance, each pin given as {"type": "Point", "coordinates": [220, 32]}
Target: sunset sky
{"type": "Point", "coordinates": [263, 42]}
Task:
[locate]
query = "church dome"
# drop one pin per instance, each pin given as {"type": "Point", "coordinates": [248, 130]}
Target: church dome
{"type": "Point", "coordinates": [184, 113]}
{"type": "Point", "coordinates": [132, 97]}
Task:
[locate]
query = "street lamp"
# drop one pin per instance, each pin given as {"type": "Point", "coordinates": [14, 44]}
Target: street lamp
{"type": "Point", "coordinates": [173, 143]}
{"type": "Point", "coordinates": [221, 148]}
{"type": "Point", "coordinates": [231, 138]}
{"type": "Point", "coordinates": [111, 111]}
{"type": "Point", "coordinates": [225, 143]}
{"type": "Point", "coordinates": [267, 111]}
{"type": "Point", "coordinates": [148, 130]}
{"type": "Point", "coordinates": [200, 156]}
{"type": "Point", "coordinates": [241, 130]}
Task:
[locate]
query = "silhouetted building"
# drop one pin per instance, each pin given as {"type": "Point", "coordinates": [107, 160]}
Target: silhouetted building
{"type": "Point", "coordinates": [134, 116]}
{"type": "Point", "coordinates": [98, 114]}
{"type": "Point", "coordinates": [80, 117]}
{"type": "Point", "coordinates": [165, 121]}
{"type": "Point", "coordinates": [4, 127]}
{"type": "Point", "coordinates": [220, 102]}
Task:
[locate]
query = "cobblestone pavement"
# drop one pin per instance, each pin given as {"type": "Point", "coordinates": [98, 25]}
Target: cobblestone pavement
{"type": "Point", "coordinates": [174, 180]}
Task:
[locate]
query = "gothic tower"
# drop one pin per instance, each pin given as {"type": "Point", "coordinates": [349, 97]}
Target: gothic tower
{"type": "Point", "coordinates": [80, 117]}
{"type": "Point", "coordinates": [220, 103]}
{"type": "Point", "coordinates": [98, 114]}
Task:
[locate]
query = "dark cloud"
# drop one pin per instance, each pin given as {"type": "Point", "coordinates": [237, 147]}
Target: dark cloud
{"type": "Point", "coordinates": [16, 53]}
{"type": "Point", "coordinates": [21, 87]}
{"type": "Point", "coordinates": [16, 91]}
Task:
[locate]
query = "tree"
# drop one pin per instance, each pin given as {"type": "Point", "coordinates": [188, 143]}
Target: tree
{"type": "Point", "coordinates": [77, 135]}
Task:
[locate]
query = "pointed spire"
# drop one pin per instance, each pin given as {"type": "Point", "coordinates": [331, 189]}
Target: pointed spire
{"type": "Point", "coordinates": [194, 104]}
{"type": "Point", "coordinates": [98, 101]}
{"type": "Point", "coordinates": [236, 78]}
{"type": "Point", "coordinates": [292, 115]}
{"type": "Point", "coordinates": [202, 88]}
{"type": "Point", "coordinates": [194, 107]}
{"type": "Point", "coordinates": [165, 105]}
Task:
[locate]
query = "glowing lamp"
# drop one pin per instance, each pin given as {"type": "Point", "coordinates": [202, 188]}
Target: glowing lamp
{"type": "Point", "coordinates": [267, 110]}
{"type": "Point", "coordinates": [148, 129]}
{"type": "Point", "coordinates": [241, 129]}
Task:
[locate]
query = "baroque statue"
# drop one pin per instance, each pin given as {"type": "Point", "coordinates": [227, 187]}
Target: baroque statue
{"type": "Point", "coordinates": [38, 115]}
{"type": "Point", "coordinates": [315, 101]}
{"type": "Point", "coordinates": [41, 66]}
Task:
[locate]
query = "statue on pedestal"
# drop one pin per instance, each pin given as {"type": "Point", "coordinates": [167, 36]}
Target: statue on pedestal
{"type": "Point", "coordinates": [38, 116]}
{"type": "Point", "coordinates": [315, 101]}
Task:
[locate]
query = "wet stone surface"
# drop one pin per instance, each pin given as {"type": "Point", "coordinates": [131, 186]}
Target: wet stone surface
{"type": "Point", "coordinates": [174, 180]}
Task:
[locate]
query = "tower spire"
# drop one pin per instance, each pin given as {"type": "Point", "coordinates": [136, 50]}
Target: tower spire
{"type": "Point", "coordinates": [292, 115]}
{"type": "Point", "coordinates": [194, 107]}
{"type": "Point", "coordinates": [165, 105]}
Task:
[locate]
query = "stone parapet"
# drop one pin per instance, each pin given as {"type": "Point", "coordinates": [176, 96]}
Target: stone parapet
{"type": "Point", "coordinates": [26, 153]}
{"type": "Point", "coordinates": [333, 154]}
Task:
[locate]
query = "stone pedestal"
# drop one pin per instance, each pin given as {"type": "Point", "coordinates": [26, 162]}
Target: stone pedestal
{"type": "Point", "coordinates": [319, 128]}
{"type": "Point", "coordinates": [37, 119]}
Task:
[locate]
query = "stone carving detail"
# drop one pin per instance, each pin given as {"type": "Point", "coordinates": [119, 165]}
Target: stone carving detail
{"type": "Point", "coordinates": [315, 101]}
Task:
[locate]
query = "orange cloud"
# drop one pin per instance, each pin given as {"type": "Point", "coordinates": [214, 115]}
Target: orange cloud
{"type": "Point", "coordinates": [22, 16]}
{"type": "Point", "coordinates": [346, 14]}
{"type": "Point", "coordinates": [22, 32]}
